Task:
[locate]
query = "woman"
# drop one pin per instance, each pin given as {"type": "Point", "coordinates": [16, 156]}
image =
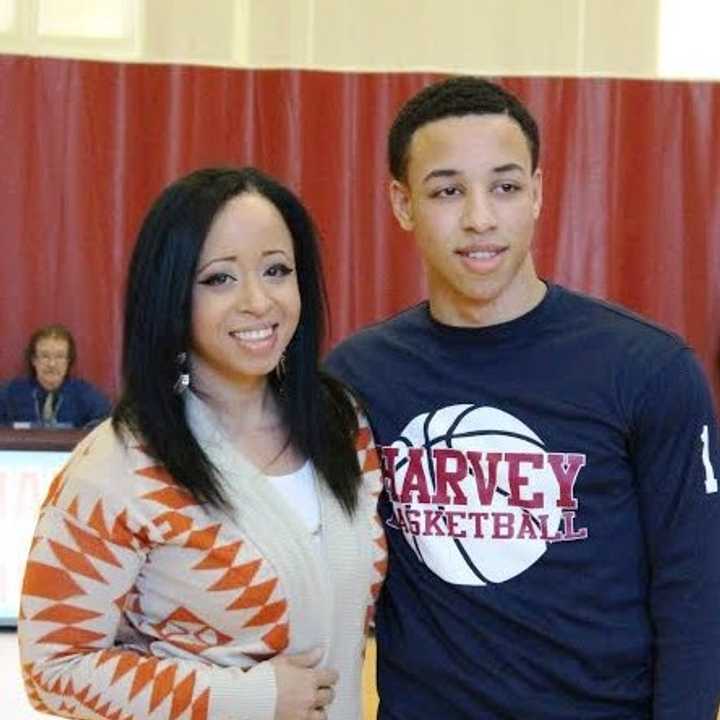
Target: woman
{"type": "Point", "coordinates": [212, 552]}
{"type": "Point", "coordinates": [48, 396]}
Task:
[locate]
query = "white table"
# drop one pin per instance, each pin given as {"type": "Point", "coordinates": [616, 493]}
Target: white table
{"type": "Point", "coordinates": [28, 464]}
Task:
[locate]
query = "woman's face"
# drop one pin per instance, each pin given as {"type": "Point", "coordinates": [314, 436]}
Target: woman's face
{"type": "Point", "coordinates": [51, 361]}
{"type": "Point", "coordinates": [245, 301]}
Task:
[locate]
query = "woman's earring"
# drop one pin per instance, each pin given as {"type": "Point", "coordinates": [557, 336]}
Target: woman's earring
{"type": "Point", "coordinates": [281, 370]}
{"type": "Point", "coordinates": [183, 381]}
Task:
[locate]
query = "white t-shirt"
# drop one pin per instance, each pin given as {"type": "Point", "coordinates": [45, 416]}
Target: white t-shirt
{"type": "Point", "coordinates": [299, 491]}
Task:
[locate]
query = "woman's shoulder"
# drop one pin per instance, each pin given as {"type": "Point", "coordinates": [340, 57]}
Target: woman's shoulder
{"type": "Point", "coordinates": [114, 490]}
{"type": "Point", "coordinates": [112, 461]}
{"type": "Point", "coordinates": [106, 444]}
{"type": "Point", "coordinates": [20, 384]}
{"type": "Point", "coordinates": [85, 392]}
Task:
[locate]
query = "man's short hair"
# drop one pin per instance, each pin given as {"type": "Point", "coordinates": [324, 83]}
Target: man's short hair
{"type": "Point", "coordinates": [456, 97]}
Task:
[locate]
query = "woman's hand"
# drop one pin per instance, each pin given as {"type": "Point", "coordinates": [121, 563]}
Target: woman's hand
{"type": "Point", "coordinates": [303, 692]}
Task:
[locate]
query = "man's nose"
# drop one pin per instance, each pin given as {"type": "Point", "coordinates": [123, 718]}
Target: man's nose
{"type": "Point", "coordinates": [478, 212]}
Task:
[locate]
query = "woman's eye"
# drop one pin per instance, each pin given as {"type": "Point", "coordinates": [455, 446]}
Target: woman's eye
{"type": "Point", "coordinates": [278, 270]}
{"type": "Point", "coordinates": [216, 279]}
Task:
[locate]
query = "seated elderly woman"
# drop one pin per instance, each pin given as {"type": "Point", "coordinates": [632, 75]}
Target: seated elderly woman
{"type": "Point", "coordinates": [48, 396]}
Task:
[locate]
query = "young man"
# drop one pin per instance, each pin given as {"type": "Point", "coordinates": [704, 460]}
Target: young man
{"type": "Point", "coordinates": [551, 461]}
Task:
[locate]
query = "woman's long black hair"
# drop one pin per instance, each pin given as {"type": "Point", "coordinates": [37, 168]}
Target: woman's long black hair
{"type": "Point", "coordinates": [318, 412]}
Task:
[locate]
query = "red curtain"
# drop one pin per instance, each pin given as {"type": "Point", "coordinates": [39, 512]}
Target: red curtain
{"type": "Point", "coordinates": [631, 174]}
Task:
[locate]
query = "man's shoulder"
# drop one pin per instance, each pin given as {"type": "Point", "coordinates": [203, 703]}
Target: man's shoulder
{"type": "Point", "coordinates": [371, 355]}
{"type": "Point", "coordinates": [375, 334]}
{"type": "Point", "coordinates": [81, 387]}
{"type": "Point", "coordinates": [613, 320]}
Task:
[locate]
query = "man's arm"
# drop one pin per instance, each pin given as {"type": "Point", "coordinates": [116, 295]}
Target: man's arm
{"type": "Point", "coordinates": [675, 449]}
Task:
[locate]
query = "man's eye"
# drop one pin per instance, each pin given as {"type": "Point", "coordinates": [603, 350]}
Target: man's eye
{"type": "Point", "coordinates": [508, 187]}
{"type": "Point", "coordinates": [447, 192]}
{"type": "Point", "coordinates": [216, 279]}
{"type": "Point", "coordinates": [278, 270]}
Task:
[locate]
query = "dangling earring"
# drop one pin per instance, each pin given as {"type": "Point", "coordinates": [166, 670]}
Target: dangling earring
{"type": "Point", "coordinates": [183, 381]}
{"type": "Point", "coordinates": [281, 371]}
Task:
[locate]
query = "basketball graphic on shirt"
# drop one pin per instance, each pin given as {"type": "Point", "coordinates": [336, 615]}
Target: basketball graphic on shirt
{"type": "Point", "coordinates": [475, 493]}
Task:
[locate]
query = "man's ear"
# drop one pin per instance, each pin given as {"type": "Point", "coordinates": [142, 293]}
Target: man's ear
{"type": "Point", "coordinates": [401, 204]}
{"type": "Point", "coordinates": [537, 192]}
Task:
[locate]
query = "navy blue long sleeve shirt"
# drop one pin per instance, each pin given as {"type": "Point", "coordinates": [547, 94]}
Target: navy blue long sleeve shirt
{"type": "Point", "coordinates": [553, 517]}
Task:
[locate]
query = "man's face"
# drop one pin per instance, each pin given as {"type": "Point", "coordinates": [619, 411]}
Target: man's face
{"type": "Point", "coordinates": [471, 199]}
{"type": "Point", "coordinates": [51, 361]}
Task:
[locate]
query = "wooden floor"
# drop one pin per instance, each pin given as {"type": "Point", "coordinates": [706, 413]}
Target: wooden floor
{"type": "Point", "coordinates": [370, 698]}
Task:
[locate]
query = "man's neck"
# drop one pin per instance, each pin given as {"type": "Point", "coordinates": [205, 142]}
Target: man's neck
{"type": "Point", "coordinates": [467, 312]}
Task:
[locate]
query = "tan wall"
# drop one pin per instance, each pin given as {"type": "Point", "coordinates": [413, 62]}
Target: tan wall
{"type": "Point", "coordinates": [618, 38]}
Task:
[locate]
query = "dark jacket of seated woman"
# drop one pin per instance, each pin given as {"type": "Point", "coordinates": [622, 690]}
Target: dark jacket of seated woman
{"type": "Point", "coordinates": [76, 403]}
{"type": "Point", "coordinates": [48, 397]}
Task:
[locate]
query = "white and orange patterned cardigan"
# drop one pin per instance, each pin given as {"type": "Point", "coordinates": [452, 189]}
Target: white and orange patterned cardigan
{"type": "Point", "coordinates": [138, 602]}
